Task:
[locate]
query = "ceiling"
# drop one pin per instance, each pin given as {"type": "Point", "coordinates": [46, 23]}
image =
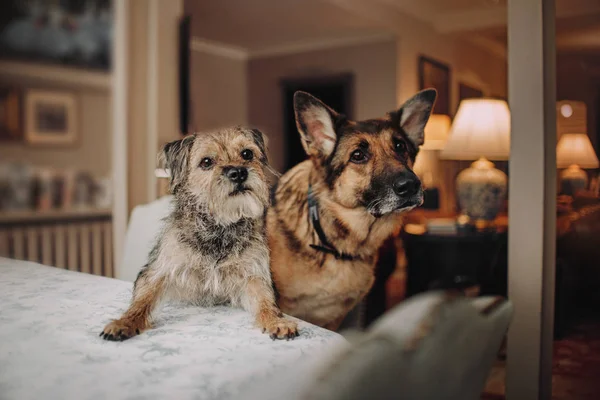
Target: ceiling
{"type": "Point", "coordinates": [260, 25]}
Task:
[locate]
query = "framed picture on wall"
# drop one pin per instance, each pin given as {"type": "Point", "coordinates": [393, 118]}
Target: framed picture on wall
{"type": "Point", "coordinates": [10, 114]}
{"type": "Point", "coordinates": [434, 74]}
{"type": "Point", "coordinates": [68, 32]}
{"type": "Point", "coordinates": [50, 118]}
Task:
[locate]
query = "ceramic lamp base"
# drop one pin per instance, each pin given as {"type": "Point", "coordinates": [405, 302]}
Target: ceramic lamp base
{"type": "Point", "coordinates": [481, 190]}
{"type": "Point", "coordinates": [573, 180]}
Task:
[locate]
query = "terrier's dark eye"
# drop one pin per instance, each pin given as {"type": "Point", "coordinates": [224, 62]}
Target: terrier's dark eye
{"type": "Point", "coordinates": [206, 163]}
{"type": "Point", "coordinates": [400, 146]}
{"type": "Point", "coordinates": [358, 156]}
{"type": "Point", "coordinates": [247, 155]}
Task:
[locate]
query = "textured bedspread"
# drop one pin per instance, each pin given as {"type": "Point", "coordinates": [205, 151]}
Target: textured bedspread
{"type": "Point", "coordinates": [49, 345]}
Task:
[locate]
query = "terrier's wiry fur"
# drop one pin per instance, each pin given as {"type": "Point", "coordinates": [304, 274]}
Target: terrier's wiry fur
{"type": "Point", "coordinates": [213, 249]}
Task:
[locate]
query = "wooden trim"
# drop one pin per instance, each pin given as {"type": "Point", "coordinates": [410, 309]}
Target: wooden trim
{"type": "Point", "coordinates": [320, 44]}
{"type": "Point", "coordinates": [18, 237]}
{"type": "Point", "coordinates": [295, 83]}
{"type": "Point", "coordinates": [532, 197]}
{"type": "Point", "coordinates": [20, 217]}
{"type": "Point", "coordinates": [84, 249]}
{"type": "Point", "coordinates": [60, 246]}
{"type": "Point", "coordinates": [96, 245]}
{"type": "Point", "coordinates": [218, 49]}
{"type": "Point", "coordinates": [120, 125]}
{"type": "Point", "coordinates": [108, 253]}
{"type": "Point", "coordinates": [73, 245]}
{"type": "Point", "coordinates": [438, 64]}
{"type": "Point", "coordinates": [152, 97]}
{"type": "Point", "coordinates": [238, 53]}
{"type": "Point", "coordinates": [4, 243]}
{"type": "Point", "coordinates": [79, 78]}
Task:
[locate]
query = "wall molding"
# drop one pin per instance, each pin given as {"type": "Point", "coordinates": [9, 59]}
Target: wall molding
{"type": "Point", "coordinates": [59, 74]}
{"type": "Point", "coordinates": [314, 45]}
{"type": "Point", "coordinates": [218, 49]}
{"type": "Point", "coordinates": [242, 54]}
{"type": "Point", "coordinates": [488, 45]}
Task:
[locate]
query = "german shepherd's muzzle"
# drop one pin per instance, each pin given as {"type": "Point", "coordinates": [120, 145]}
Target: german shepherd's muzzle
{"type": "Point", "coordinates": [331, 213]}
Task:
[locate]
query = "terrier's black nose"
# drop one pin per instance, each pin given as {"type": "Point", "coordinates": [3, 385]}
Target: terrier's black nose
{"type": "Point", "coordinates": [408, 186]}
{"type": "Point", "coordinates": [236, 174]}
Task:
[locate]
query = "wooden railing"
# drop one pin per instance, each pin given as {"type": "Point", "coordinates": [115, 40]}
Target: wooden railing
{"type": "Point", "coordinates": [78, 240]}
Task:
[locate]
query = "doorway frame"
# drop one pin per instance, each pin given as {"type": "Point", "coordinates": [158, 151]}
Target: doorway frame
{"type": "Point", "coordinates": [347, 79]}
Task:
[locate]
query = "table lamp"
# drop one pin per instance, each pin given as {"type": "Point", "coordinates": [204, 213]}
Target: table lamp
{"type": "Point", "coordinates": [427, 164]}
{"type": "Point", "coordinates": [436, 132]}
{"type": "Point", "coordinates": [574, 152]}
{"type": "Point", "coordinates": [481, 131]}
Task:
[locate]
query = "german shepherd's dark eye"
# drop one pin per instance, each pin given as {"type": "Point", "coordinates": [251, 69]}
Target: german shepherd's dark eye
{"type": "Point", "coordinates": [358, 156]}
{"type": "Point", "coordinates": [207, 163]}
{"type": "Point", "coordinates": [247, 155]}
{"type": "Point", "coordinates": [400, 146]}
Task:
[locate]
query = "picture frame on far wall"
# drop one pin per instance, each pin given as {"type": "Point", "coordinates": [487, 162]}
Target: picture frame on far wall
{"type": "Point", "coordinates": [72, 33]}
{"type": "Point", "coordinates": [435, 74]}
{"type": "Point", "coordinates": [11, 128]}
{"type": "Point", "coordinates": [50, 118]}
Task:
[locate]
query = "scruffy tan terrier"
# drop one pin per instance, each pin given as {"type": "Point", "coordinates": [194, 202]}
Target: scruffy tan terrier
{"type": "Point", "coordinates": [213, 248]}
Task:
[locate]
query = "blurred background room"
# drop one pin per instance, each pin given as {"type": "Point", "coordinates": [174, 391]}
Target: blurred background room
{"type": "Point", "coordinates": [91, 90]}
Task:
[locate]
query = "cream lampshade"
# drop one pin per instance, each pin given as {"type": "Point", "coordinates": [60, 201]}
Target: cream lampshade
{"type": "Point", "coordinates": [427, 164]}
{"type": "Point", "coordinates": [481, 131]}
{"type": "Point", "coordinates": [574, 152]}
{"type": "Point", "coordinates": [436, 133]}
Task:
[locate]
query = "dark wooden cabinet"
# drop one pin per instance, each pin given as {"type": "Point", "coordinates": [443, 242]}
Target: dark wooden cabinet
{"type": "Point", "coordinates": [461, 260]}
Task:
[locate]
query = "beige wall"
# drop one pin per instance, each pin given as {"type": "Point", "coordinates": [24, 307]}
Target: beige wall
{"type": "Point", "coordinates": [92, 151]}
{"type": "Point", "coordinates": [373, 66]}
{"type": "Point", "coordinates": [468, 63]}
{"type": "Point", "coordinates": [218, 92]}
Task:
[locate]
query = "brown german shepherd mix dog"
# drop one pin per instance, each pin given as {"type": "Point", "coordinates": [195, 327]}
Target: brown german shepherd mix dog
{"type": "Point", "coordinates": [332, 212]}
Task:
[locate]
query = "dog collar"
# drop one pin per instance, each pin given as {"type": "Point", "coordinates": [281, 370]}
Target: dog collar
{"type": "Point", "coordinates": [325, 246]}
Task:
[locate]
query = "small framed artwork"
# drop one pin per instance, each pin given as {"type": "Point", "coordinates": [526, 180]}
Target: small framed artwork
{"type": "Point", "coordinates": [434, 74]}
{"type": "Point", "coordinates": [50, 118]}
{"type": "Point", "coordinates": [466, 91]}
{"type": "Point", "coordinates": [10, 114]}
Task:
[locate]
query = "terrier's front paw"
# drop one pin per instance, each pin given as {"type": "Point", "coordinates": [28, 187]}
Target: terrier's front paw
{"type": "Point", "coordinates": [281, 328]}
{"type": "Point", "coordinates": [119, 330]}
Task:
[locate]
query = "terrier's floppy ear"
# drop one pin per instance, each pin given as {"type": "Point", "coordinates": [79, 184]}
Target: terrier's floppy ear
{"type": "Point", "coordinates": [414, 114]}
{"type": "Point", "coordinates": [316, 124]}
{"type": "Point", "coordinates": [177, 155]}
{"type": "Point", "coordinates": [259, 139]}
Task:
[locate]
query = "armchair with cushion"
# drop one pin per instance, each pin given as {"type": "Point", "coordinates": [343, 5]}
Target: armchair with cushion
{"type": "Point", "coordinates": [434, 346]}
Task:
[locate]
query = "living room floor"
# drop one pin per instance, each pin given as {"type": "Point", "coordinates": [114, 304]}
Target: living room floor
{"type": "Point", "coordinates": [576, 366]}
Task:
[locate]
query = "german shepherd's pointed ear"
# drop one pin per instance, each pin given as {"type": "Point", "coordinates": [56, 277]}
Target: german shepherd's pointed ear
{"type": "Point", "coordinates": [316, 123]}
{"type": "Point", "coordinates": [414, 114]}
{"type": "Point", "coordinates": [176, 156]}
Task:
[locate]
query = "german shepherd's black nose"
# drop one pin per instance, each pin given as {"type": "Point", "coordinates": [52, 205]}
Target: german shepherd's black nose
{"type": "Point", "coordinates": [407, 184]}
{"type": "Point", "coordinates": [236, 174]}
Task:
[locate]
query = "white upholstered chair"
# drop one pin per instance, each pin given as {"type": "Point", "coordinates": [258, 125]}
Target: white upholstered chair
{"type": "Point", "coordinates": [144, 226]}
{"type": "Point", "coordinates": [431, 347]}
